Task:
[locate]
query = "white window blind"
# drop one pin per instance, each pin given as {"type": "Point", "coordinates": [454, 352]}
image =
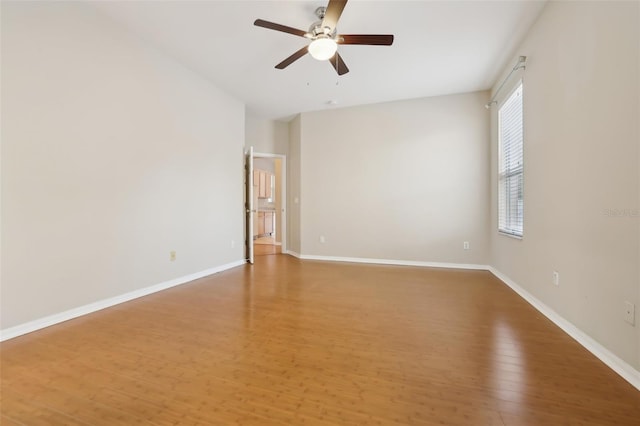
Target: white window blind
{"type": "Point", "coordinates": [510, 163]}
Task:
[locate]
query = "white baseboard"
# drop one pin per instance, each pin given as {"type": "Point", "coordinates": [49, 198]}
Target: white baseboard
{"type": "Point", "coordinates": [391, 262]}
{"type": "Point", "coordinates": [50, 320]}
{"type": "Point", "coordinates": [625, 370]}
{"type": "Point", "coordinates": [293, 253]}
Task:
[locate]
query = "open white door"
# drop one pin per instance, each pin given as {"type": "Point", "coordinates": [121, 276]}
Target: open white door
{"type": "Point", "coordinates": [249, 207]}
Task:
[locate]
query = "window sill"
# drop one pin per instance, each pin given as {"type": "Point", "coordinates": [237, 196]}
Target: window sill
{"type": "Point", "coordinates": [506, 234]}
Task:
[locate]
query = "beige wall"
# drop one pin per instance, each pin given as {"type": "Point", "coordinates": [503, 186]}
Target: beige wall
{"type": "Point", "coordinates": [264, 163]}
{"type": "Point", "coordinates": [266, 136]}
{"type": "Point", "coordinates": [404, 180]}
{"type": "Point", "coordinates": [112, 156]}
{"type": "Point", "coordinates": [581, 116]}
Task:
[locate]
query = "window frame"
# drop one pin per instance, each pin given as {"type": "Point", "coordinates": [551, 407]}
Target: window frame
{"type": "Point", "coordinates": [502, 204]}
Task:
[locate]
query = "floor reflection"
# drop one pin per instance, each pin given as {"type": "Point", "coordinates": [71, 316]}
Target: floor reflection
{"type": "Point", "coordinates": [509, 375]}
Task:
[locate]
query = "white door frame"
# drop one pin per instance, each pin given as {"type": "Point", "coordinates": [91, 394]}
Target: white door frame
{"type": "Point", "coordinates": [283, 212]}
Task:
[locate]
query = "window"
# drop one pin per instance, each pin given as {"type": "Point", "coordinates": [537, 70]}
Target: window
{"type": "Point", "coordinates": [510, 163]}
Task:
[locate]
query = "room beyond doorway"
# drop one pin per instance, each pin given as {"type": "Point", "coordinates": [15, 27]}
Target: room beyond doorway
{"type": "Point", "coordinates": [266, 245]}
{"type": "Point", "coordinates": [269, 200]}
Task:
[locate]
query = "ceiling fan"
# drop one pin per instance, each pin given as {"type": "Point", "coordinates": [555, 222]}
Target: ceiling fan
{"type": "Point", "coordinates": [325, 38]}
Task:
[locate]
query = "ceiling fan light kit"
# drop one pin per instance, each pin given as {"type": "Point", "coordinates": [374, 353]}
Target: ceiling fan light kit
{"type": "Point", "coordinates": [323, 48]}
{"type": "Point", "coordinates": [324, 37]}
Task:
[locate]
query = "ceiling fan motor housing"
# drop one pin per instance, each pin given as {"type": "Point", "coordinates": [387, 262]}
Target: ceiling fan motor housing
{"type": "Point", "coordinates": [317, 30]}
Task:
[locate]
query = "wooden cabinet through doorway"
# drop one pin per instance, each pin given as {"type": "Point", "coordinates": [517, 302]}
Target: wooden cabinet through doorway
{"type": "Point", "coordinates": [268, 222]}
{"type": "Point", "coordinates": [265, 223]}
{"type": "Point", "coordinates": [262, 180]}
{"type": "Point", "coordinates": [260, 223]}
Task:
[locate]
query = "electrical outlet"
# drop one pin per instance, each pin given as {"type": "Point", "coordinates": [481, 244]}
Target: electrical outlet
{"type": "Point", "coordinates": [465, 245]}
{"type": "Point", "coordinates": [233, 243]}
{"type": "Point", "coordinates": [172, 255]}
{"type": "Point", "coordinates": [556, 278]}
{"type": "Point", "coordinates": [322, 239]}
{"type": "Point", "coordinates": [629, 312]}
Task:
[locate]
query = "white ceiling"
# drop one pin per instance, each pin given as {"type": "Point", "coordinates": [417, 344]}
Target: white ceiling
{"type": "Point", "coordinates": [440, 47]}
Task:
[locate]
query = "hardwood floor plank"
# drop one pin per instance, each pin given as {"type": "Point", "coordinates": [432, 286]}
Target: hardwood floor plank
{"type": "Point", "coordinates": [300, 342]}
{"type": "Point", "coordinates": [30, 412]}
{"type": "Point", "coordinates": [6, 421]}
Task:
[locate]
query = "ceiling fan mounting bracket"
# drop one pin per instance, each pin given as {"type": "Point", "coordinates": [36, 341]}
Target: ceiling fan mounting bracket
{"type": "Point", "coordinates": [320, 12]}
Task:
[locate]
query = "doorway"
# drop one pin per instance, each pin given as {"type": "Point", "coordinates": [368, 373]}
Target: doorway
{"type": "Point", "coordinates": [269, 201]}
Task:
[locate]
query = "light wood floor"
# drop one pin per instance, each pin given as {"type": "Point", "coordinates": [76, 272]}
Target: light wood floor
{"type": "Point", "coordinates": [265, 240]}
{"type": "Point", "coordinates": [296, 342]}
{"type": "Point", "coordinates": [266, 246]}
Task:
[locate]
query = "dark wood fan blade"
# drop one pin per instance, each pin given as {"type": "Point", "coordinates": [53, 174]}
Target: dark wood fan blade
{"type": "Point", "coordinates": [278, 27]}
{"type": "Point", "coordinates": [332, 15]}
{"type": "Point", "coordinates": [370, 39]}
{"type": "Point", "coordinates": [291, 59]}
{"type": "Point", "coordinates": [338, 64]}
